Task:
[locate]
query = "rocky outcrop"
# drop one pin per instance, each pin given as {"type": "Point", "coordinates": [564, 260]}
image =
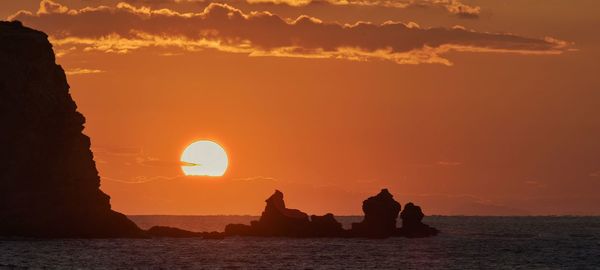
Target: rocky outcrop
{"type": "Point", "coordinates": [326, 226]}
{"type": "Point", "coordinates": [164, 231]}
{"type": "Point", "coordinates": [412, 225]}
{"type": "Point", "coordinates": [277, 220]}
{"type": "Point", "coordinates": [49, 185]}
{"type": "Point", "coordinates": [381, 212]}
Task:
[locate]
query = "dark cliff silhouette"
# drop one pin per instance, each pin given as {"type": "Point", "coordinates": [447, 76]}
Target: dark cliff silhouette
{"type": "Point", "coordinates": [49, 185]}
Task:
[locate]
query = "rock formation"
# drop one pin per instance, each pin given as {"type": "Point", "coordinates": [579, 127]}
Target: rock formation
{"type": "Point", "coordinates": [164, 231]}
{"type": "Point", "coordinates": [326, 226]}
{"type": "Point", "coordinates": [412, 225]}
{"type": "Point", "coordinates": [49, 185]}
{"type": "Point", "coordinates": [277, 220]}
{"type": "Point", "coordinates": [381, 212]}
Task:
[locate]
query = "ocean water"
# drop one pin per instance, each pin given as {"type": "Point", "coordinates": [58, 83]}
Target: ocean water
{"type": "Point", "coordinates": [465, 243]}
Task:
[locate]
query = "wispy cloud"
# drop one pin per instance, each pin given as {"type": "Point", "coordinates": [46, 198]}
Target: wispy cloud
{"type": "Point", "coordinates": [142, 179]}
{"type": "Point", "coordinates": [125, 28]}
{"type": "Point", "coordinates": [255, 178]}
{"type": "Point", "coordinates": [80, 71]}
{"type": "Point", "coordinates": [452, 6]}
{"type": "Point", "coordinates": [135, 155]}
{"type": "Point", "coordinates": [117, 151]}
{"type": "Point", "coordinates": [455, 7]}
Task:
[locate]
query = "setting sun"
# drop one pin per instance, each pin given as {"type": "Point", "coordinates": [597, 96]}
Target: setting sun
{"type": "Point", "coordinates": [204, 158]}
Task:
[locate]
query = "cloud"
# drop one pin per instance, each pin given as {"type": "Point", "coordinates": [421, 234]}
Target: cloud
{"type": "Point", "coordinates": [452, 6]}
{"type": "Point", "coordinates": [117, 151]}
{"type": "Point", "coordinates": [125, 28]}
{"type": "Point", "coordinates": [134, 155]}
{"type": "Point", "coordinates": [79, 71]}
{"type": "Point", "coordinates": [140, 179]}
{"type": "Point", "coordinates": [155, 162]}
{"type": "Point", "coordinates": [255, 178]}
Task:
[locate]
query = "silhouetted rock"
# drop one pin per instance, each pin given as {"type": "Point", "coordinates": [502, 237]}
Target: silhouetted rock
{"type": "Point", "coordinates": [412, 225]}
{"type": "Point", "coordinates": [277, 220]}
{"type": "Point", "coordinates": [213, 235]}
{"type": "Point", "coordinates": [325, 226]}
{"type": "Point", "coordinates": [165, 231]}
{"type": "Point", "coordinates": [238, 229]}
{"type": "Point", "coordinates": [381, 212]}
{"type": "Point", "coordinates": [49, 185]}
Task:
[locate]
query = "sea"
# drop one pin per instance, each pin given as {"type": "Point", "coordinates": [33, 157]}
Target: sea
{"type": "Point", "coordinates": [550, 242]}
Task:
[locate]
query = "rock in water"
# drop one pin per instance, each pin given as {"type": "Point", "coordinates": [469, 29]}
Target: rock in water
{"type": "Point", "coordinates": [165, 231]}
{"type": "Point", "coordinates": [381, 212]}
{"type": "Point", "coordinates": [49, 185]}
{"type": "Point", "coordinates": [171, 232]}
{"type": "Point", "coordinates": [277, 220]}
{"type": "Point", "coordinates": [326, 226]}
{"type": "Point", "coordinates": [412, 225]}
{"type": "Point", "coordinates": [280, 220]}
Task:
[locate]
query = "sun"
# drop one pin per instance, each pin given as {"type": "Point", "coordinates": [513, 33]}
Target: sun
{"type": "Point", "coordinates": [204, 158]}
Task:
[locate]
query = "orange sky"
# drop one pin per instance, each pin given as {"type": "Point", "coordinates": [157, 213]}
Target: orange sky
{"type": "Point", "coordinates": [471, 107]}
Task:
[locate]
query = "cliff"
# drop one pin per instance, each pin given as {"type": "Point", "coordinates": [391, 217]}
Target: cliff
{"type": "Point", "coordinates": [49, 185]}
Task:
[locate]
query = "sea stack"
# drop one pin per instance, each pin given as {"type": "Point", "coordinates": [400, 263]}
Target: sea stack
{"type": "Point", "coordinates": [412, 225]}
{"type": "Point", "coordinates": [277, 220]}
{"type": "Point", "coordinates": [49, 185]}
{"type": "Point", "coordinates": [381, 212]}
